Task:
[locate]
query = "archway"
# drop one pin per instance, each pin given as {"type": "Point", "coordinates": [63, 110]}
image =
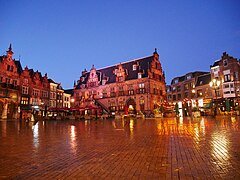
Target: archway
{"type": "Point", "coordinates": [131, 105]}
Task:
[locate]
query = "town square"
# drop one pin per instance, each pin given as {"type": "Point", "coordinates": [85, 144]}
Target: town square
{"type": "Point", "coordinates": [160, 148]}
{"type": "Point", "coordinates": [119, 89]}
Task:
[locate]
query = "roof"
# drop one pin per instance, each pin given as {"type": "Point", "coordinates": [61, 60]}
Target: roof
{"type": "Point", "coordinates": [203, 79]}
{"type": "Point", "coordinates": [184, 77]}
{"type": "Point", "coordinates": [51, 81]}
{"type": "Point", "coordinates": [108, 72]}
{"type": "Point", "coordinates": [68, 91]}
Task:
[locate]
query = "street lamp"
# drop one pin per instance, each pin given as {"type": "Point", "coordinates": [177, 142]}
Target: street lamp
{"type": "Point", "coordinates": [214, 84]}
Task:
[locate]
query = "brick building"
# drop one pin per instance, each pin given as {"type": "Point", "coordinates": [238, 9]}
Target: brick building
{"type": "Point", "coordinates": [194, 90]}
{"type": "Point", "coordinates": [26, 92]}
{"type": "Point", "coordinates": [182, 91]}
{"type": "Point", "coordinates": [10, 70]}
{"type": "Point", "coordinates": [136, 85]}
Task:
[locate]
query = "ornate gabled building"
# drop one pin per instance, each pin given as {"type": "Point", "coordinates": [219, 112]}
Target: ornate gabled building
{"type": "Point", "coordinates": [136, 85]}
{"type": "Point", "coordinates": [10, 70]}
{"type": "Point", "coordinates": [34, 91]}
{"type": "Point", "coordinates": [26, 92]}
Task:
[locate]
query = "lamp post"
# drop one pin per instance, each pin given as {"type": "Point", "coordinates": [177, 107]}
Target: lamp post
{"type": "Point", "coordinates": [214, 84]}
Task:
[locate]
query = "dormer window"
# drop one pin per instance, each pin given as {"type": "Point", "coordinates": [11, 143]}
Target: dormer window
{"type": "Point", "coordinates": [139, 75]}
{"type": "Point", "coordinates": [82, 79]}
{"type": "Point", "coordinates": [189, 77]}
{"type": "Point", "coordinates": [115, 71]}
{"type": "Point", "coordinates": [134, 67]}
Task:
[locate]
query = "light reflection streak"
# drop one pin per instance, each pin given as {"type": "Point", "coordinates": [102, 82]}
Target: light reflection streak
{"type": "Point", "coordinates": [131, 127]}
{"type": "Point", "coordinates": [220, 148]}
{"type": "Point", "coordinates": [202, 126]}
{"type": "Point", "coordinates": [35, 135]}
{"type": "Point", "coordinates": [181, 121]}
{"type": "Point", "coordinates": [73, 139]}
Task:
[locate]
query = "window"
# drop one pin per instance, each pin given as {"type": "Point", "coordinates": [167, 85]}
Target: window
{"type": "Point", "coordinates": [227, 78]}
{"type": "Point", "coordinates": [44, 94]}
{"type": "Point", "coordinates": [235, 76]}
{"type": "Point", "coordinates": [8, 81]}
{"type": "Point", "coordinates": [15, 82]}
{"type": "Point", "coordinates": [169, 97]}
{"type": "Point", "coordinates": [174, 97]}
{"type": "Point", "coordinates": [35, 92]}
{"type": "Point", "coordinates": [175, 81]}
{"type": "Point", "coordinates": [179, 96]}
{"type": "Point", "coordinates": [24, 90]}
{"type": "Point", "coordinates": [53, 95]}
{"type": "Point", "coordinates": [186, 86]}
{"type": "Point", "coordinates": [225, 62]}
{"type": "Point", "coordinates": [139, 75]}
{"type": "Point", "coordinates": [141, 85]}
{"type": "Point", "coordinates": [188, 77]}
{"type": "Point", "coordinates": [120, 79]}
{"type": "Point", "coordinates": [35, 101]}
{"type": "Point", "coordinates": [131, 92]}
{"type": "Point", "coordinates": [1, 79]}
{"type": "Point", "coordinates": [24, 100]}
{"type": "Point", "coordinates": [134, 67]}
{"type": "Point", "coordinates": [226, 86]}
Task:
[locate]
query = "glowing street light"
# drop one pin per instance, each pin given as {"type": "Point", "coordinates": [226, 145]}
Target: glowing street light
{"type": "Point", "coordinates": [214, 84]}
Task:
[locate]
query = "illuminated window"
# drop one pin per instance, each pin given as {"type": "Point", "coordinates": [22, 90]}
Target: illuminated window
{"type": "Point", "coordinates": [141, 85]}
{"type": "Point", "coordinates": [24, 100]}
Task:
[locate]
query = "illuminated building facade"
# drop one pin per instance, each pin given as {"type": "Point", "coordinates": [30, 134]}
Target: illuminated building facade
{"type": "Point", "coordinates": [24, 91]}
{"type": "Point", "coordinates": [183, 91]}
{"type": "Point", "coordinates": [132, 86]}
{"type": "Point", "coordinates": [194, 90]}
{"type": "Point", "coordinates": [10, 70]}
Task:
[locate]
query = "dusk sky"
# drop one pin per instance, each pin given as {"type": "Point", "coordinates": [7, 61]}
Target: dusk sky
{"type": "Point", "coordinates": [63, 37]}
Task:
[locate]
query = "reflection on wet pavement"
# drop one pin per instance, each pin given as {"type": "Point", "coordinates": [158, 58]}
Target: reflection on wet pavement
{"type": "Point", "coordinates": [169, 148]}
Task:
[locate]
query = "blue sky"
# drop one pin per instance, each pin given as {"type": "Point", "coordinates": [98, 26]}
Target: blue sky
{"type": "Point", "coordinates": [62, 37]}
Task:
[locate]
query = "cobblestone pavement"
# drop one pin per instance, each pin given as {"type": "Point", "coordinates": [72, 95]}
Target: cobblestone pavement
{"type": "Point", "coordinates": [184, 148]}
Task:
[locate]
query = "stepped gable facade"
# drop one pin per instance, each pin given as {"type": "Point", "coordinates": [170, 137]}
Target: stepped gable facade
{"type": "Point", "coordinates": [10, 70]}
{"type": "Point", "coordinates": [136, 85]}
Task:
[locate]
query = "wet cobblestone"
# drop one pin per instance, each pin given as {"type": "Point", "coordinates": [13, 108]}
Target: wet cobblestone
{"type": "Point", "coordinates": [184, 148]}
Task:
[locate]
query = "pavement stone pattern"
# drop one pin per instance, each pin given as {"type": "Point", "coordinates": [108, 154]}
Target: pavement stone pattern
{"type": "Point", "coordinates": [162, 148]}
